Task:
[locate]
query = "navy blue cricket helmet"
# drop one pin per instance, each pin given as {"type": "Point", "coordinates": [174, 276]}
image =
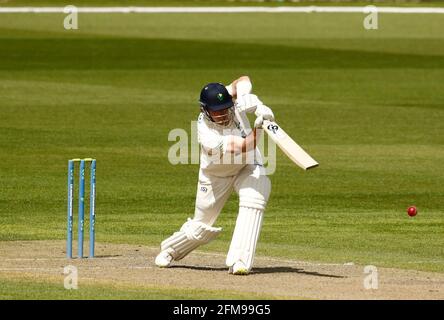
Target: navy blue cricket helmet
{"type": "Point", "coordinates": [215, 97]}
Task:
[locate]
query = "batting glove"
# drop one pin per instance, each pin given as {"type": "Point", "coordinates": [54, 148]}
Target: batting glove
{"type": "Point", "coordinates": [264, 112]}
{"type": "Point", "coordinates": [248, 103]}
{"type": "Point", "coordinates": [258, 123]}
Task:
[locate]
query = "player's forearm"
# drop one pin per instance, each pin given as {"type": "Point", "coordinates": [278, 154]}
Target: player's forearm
{"type": "Point", "coordinates": [238, 145]}
{"type": "Point", "coordinates": [241, 86]}
{"type": "Point", "coordinates": [250, 141]}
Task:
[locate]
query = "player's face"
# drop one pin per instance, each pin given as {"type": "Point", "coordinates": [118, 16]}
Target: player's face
{"type": "Point", "coordinates": [222, 117]}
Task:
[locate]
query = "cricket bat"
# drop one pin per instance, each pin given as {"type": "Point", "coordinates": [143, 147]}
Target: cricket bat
{"type": "Point", "coordinates": [289, 146]}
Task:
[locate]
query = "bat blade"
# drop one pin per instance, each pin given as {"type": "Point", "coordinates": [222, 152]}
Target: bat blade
{"type": "Point", "coordinates": [289, 146]}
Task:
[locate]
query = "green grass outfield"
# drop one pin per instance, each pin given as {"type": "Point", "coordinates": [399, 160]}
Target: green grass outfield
{"type": "Point", "coordinates": [14, 3]}
{"type": "Point", "coordinates": [368, 105]}
{"type": "Point", "coordinates": [39, 289]}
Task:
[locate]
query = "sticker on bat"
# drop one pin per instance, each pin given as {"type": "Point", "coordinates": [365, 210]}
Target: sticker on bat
{"type": "Point", "coordinates": [273, 127]}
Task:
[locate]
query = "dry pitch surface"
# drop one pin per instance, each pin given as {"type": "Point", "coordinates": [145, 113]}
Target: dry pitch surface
{"type": "Point", "coordinates": [133, 266]}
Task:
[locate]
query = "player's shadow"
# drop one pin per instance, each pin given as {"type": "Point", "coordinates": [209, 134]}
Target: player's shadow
{"type": "Point", "coordinates": [262, 270]}
{"type": "Point", "coordinates": [265, 270]}
{"type": "Point", "coordinates": [199, 268]}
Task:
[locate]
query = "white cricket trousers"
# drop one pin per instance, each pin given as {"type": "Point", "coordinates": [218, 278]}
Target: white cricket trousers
{"type": "Point", "coordinates": [251, 184]}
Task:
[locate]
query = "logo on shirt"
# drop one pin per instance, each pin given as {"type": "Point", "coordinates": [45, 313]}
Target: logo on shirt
{"type": "Point", "coordinates": [203, 189]}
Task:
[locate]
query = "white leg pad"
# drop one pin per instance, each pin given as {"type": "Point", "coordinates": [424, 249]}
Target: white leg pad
{"type": "Point", "coordinates": [253, 188]}
{"type": "Point", "coordinates": [192, 235]}
{"type": "Point", "coordinates": [245, 237]}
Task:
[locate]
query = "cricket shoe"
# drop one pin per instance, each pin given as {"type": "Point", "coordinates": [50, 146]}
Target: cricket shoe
{"type": "Point", "coordinates": [239, 269]}
{"type": "Point", "coordinates": [164, 259]}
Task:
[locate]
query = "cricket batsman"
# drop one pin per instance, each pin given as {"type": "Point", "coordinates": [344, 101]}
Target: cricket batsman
{"type": "Point", "coordinates": [223, 135]}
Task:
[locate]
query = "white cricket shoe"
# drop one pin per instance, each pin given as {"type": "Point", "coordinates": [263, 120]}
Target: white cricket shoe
{"type": "Point", "coordinates": [240, 269]}
{"type": "Point", "coordinates": [164, 259]}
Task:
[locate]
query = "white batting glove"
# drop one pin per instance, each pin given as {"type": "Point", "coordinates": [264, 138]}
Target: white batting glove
{"type": "Point", "coordinates": [258, 123]}
{"type": "Point", "coordinates": [264, 112]}
{"type": "Point", "coordinates": [248, 103]}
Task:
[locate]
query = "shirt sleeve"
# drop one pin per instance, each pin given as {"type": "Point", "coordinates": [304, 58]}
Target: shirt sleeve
{"type": "Point", "coordinates": [229, 89]}
{"type": "Point", "coordinates": [212, 142]}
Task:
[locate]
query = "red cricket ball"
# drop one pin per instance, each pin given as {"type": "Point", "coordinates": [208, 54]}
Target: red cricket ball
{"type": "Point", "coordinates": [412, 211]}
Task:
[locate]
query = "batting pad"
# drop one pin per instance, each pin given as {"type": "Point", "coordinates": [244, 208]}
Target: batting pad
{"type": "Point", "coordinates": [245, 237]}
{"type": "Point", "coordinates": [192, 235]}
